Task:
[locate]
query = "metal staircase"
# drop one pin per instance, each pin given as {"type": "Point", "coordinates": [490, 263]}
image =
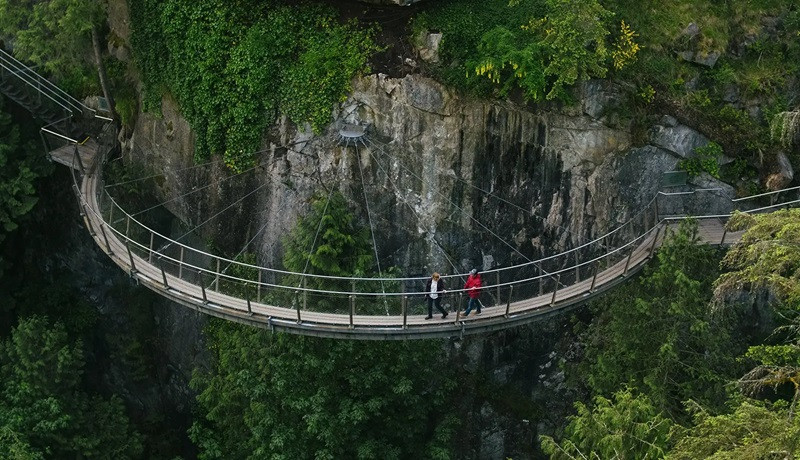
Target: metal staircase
{"type": "Point", "coordinates": [69, 124]}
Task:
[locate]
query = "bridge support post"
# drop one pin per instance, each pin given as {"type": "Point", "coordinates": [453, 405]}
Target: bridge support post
{"type": "Point", "coordinates": [541, 280]}
{"type": "Point", "coordinates": [130, 256]}
{"type": "Point", "coordinates": [655, 208]}
{"type": "Point", "coordinates": [258, 288]}
{"type": "Point", "coordinates": [724, 234]}
{"type": "Point", "coordinates": [508, 304]}
{"type": "Point", "coordinates": [216, 279]}
{"type": "Point", "coordinates": [110, 214]}
{"type": "Point", "coordinates": [105, 238]}
{"type": "Point", "coordinates": [555, 291]}
{"type": "Point", "coordinates": [628, 262]}
{"type": "Point", "coordinates": [128, 227]}
{"type": "Point", "coordinates": [352, 309]}
{"type": "Point", "coordinates": [498, 288]}
{"type": "Point", "coordinates": [594, 277]}
{"type": "Point", "coordinates": [202, 285]}
{"type": "Point", "coordinates": [247, 298]}
{"type": "Point", "coordinates": [577, 268]}
{"type": "Point", "coordinates": [150, 254]}
{"type": "Point", "coordinates": [305, 294]}
{"type": "Point", "coordinates": [78, 159]}
{"type": "Point", "coordinates": [405, 311]}
{"type": "Point", "coordinates": [163, 273]}
{"type": "Point", "coordinates": [655, 240]}
{"type": "Point", "coordinates": [180, 265]}
{"type": "Point", "coordinates": [460, 301]}
{"type": "Point", "coordinates": [297, 305]}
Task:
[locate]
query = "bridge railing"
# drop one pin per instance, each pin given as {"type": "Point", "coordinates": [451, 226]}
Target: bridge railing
{"type": "Point", "coordinates": [363, 296]}
{"type": "Point", "coordinates": [39, 88]}
{"type": "Point", "coordinates": [546, 276]}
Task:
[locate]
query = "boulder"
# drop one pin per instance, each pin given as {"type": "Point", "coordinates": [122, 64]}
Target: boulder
{"type": "Point", "coordinates": [679, 139]}
{"type": "Point", "coordinates": [427, 45]}
{"type": "Point", "coordinates": [598, 96]}
{"type": "Point", "coordinates": [691, 31]}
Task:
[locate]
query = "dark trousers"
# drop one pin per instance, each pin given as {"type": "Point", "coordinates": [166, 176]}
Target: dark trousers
{"type": "Point", "coordinates": [438, 302]}
{"type": "Point", "coordinates": [473, 302]}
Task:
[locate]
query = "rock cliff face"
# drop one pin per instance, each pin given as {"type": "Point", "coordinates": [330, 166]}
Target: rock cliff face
{"type": "Point", "coordinates": [451, 182]}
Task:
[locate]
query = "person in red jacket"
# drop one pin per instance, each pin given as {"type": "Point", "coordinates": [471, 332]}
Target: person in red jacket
{"type": "Point", "coordinates": [473, 287]}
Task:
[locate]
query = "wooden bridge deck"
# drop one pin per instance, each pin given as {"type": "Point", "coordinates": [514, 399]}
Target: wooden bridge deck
{"type": "Point", "coordinates": [65, 155]}
{"type": "Point", "coordinates": [375, 327]}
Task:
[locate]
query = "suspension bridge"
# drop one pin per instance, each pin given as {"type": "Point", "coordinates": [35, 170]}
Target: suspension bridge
{"type": "Point", "coordinates": [372, 308]}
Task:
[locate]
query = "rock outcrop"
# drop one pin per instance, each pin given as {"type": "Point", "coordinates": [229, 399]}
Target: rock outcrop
{"type": "Point", "coordinates": [451, 181]}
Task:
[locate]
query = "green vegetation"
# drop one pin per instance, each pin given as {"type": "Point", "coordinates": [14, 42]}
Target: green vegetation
{"type": "Point", "coordinates": [58, 35]}
{"type": "Point", "coordinates": [234, 66]}
{"type": "Point", "coordinates": [666, 352]}
{"type": "Point", "coordinates": [658, 335]}
{"type": "Point", "coordinates": [706, 159]}
{"type": "Point", "coordinates": [285, 397]}
{"type": "Point", "coordinates": [542, 48]}
{"type": "Point", "coordinates": [19, 170]}
{"type": "Point", "coordinates": [43, 410]}
{"type": "Point", "coordinates": [639, 430]}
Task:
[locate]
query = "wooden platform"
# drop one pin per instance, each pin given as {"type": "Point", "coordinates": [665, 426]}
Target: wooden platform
{"type": "Point", "coordinates": [66, 155]}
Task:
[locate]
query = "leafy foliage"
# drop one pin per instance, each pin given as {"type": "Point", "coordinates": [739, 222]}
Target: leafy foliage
{"type": "Point", "coordinates": [559, 43]}
{"type": "Point", "coordinates": [659, 335]}
{"type": "Point", "coordinates": [575, 34]}
{"type": "Point", "coordinates": [706, 159]}
{"type": "Point", "coordinates": [767, 256]}
{"type": "Point", "coordinates": [233, 66]}
{"type": "Point", "coordinates": [44, 412]}
{"type": "Point", "coordinates": [327, 241]}
{"type": "Point", "coordinates": [752, 431]}
{"type": "Point", "coordinates": [629, 427]}
{"type": "Point", "coordinates": [18, 173]}
{"type": "Point", "coordinates": [54, 34]}
{"type": "Point", "coordinates": [285, 397]}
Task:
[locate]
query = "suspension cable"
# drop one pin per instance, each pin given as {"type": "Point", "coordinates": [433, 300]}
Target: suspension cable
{"type": "Point", "coordinates": [215, 215]}
{"type": "Point", "coordinates": [466, 214]}
{"type": "Point", "coordinates": [372, 230]}
{"type": "Point", "coordinates": [316, 234]}
{"type": "Point", "coordinates": [217, 182]}
{"type": "Point", "coordinates": [414, 211]}
{"type": "Point", "coordinates": [116, 184]}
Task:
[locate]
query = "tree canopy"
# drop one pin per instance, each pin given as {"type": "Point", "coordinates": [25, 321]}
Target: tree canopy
{"type": "Point", "coordinates": [44, 411]}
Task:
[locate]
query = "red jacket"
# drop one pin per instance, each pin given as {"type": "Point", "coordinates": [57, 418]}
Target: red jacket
{"type": "Point", "coordinates": [473, 285]}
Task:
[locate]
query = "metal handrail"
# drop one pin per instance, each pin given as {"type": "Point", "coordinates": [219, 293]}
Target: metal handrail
{"type": "Point", "coordinates": [78, 105]}
{"type": "Point", "coordinates": [413, 279]}
{"type": "Point", "coordinates": [256, 283]}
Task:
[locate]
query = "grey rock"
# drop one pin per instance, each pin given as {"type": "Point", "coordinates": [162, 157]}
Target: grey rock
{"type": "Point", "coordinates": [678, 139]}
{"type": "Point", "coordinates": [686, 55]}
{"type": "Point", "coordinates": [730, 93]}
{"type": "Point", "coordinates": [691, 31]}
{"type": "Point", "coordinates": [492, 445]}
{"type": "Point", "coordinates": [598, 97]}
{"type": "Point", "coordinates": [669, 121]}
{"type": "Point", "coordinates": [708, 59]}
{"type": "Point", "coordinates": [704, 58]}
{"type": "Point", "coordinates": [427, 45]}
